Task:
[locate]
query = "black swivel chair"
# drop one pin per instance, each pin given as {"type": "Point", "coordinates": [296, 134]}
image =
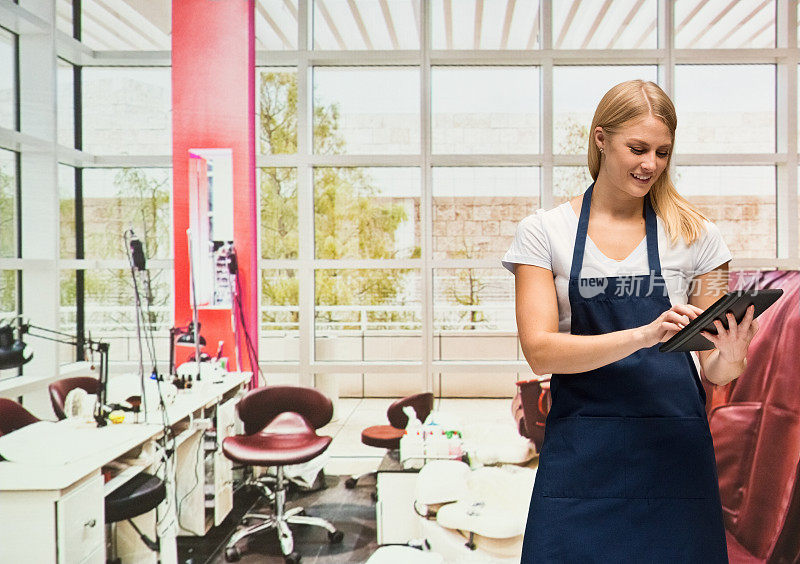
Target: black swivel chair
{"type": "Point", "coordinates": [280, 424]}
{"type": "Point", "coordinates": [139, 495]}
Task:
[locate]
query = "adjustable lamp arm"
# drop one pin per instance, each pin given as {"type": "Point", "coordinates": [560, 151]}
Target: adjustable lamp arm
{"type": "Point", "coordinates": [67, 339]}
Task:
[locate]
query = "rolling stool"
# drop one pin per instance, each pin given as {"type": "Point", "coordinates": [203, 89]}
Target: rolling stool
{"type": "Point", "coordinates": [142, 493]}
{"type": "Point", "coordinates": [280, 424]}
{"type": "Point", "coordinates": [388, 436]}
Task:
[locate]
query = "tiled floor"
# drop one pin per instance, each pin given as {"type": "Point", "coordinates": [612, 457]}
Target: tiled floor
{"type": "Point", "coordinates": [353, 511]}
{"type": "Point", "coordinates": [352, 415]}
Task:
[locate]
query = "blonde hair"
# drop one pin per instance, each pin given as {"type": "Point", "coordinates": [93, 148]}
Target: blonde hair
{"type": "Point", "coordinates": [635, 99]}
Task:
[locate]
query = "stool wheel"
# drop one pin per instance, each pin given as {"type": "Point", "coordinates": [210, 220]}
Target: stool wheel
{"type": "Point", "coordinates": [293, 558]}
{"type": "Point", "coordinates": [335, 538]}
{"type": "Point", "coordinates": [350, 483]}
{"type": "Point", "coordinates": [232, 554]}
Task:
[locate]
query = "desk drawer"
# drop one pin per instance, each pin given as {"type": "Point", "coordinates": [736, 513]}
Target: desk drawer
{"type": "Point", "coordinates": [80, 522]}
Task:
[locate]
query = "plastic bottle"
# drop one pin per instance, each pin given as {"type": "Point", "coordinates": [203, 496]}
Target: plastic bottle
{"type": "Point", "coordinates": [412, 444]}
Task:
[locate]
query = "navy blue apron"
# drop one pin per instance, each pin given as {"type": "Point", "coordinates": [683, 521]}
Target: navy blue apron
{"type": "Point", "coordinates": [627, 470]}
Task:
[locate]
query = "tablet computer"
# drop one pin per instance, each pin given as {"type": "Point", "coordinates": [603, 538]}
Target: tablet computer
{"type": "Point", "coordinates": [690, 339]}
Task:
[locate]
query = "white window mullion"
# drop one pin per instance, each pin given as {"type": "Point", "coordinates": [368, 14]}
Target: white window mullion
{"type": "Point", "coordinates": [666, 43]}
{"type": "Point", "coordinates": [426, 201]}
{"type": "Point", "coordinates": [786, 133]}
{"type": "Point", "coordinates": [546, 108]}
{"type": "Point", "coordinates": [40, 218]}
{"type": "Point", "coordinates": [305, 197]}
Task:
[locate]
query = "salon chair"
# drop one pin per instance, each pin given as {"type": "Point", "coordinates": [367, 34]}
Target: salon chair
{"type": "Point", "coordinates": [280, 424]}
{"type": "Point", "coordinates": [388, 436]}
{"type": "Point", "coordinates": [755, 424]}
{"type": "Point", "coordinates": [60, 388]}
{"type": "Point", "coordinates": [13, 416]}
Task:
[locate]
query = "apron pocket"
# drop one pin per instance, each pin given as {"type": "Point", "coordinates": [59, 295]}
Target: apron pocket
{"type": "Point", "coordinates": [583, 457]}
{"type": "Point", "coordinates": [669, 457]}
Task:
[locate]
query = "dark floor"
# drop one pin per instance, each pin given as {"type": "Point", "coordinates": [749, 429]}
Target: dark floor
{"type": "Point", "coordinates": [350, 511]}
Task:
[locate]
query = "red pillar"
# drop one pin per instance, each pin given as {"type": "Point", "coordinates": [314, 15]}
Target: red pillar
{"type": "Point", "coordinates": [213, 106]}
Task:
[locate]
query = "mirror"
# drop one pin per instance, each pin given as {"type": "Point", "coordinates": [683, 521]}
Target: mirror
{"type": "Point", "coordinates": [211, 225]}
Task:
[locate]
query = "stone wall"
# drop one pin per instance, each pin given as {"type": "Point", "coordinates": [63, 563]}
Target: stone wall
{"type": "Point", "coordinates": [484, 226]}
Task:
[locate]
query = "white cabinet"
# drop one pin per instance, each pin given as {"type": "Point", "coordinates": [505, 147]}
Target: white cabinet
{"type": "Point", "coordinates": [223, 468]}
{"type": "Point", "coordinates": [396, 521]}
{"type": "Point", "coordinates": [80, 523]}
{"type": "Point", "coordinates": [204, 476]}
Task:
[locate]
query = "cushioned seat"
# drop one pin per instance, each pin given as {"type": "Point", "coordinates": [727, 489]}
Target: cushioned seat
{"type": "Point", "coordinates": [13, 416]}
{"type": "Point", "coordinates": [382, 436]}
{"type": "Point", "coordinates": [60, 388]}
{"type": "Point", "coordinates": [388, 436]}
{"type": "Point", "coordinates": [280, 424]}
{"type": "Point", "coordinates": [142, 493]}
{"type": "Point", "coordinates": [288, 439]}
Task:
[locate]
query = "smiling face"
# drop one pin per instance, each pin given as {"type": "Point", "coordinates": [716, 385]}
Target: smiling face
{"type": "Point", "coordinates": [635, 155]}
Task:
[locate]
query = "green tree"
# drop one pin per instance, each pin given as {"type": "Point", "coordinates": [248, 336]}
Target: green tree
{"type": "Point", "coordinates": [570, 181]}
{"type": "Point", "coordinates": [465, 288]}
{"type": "Point", "coordinates": [8, 239]}
{"type": "Point", "coordinates": [140, 202]}
{"type": "Point", "coordinates": [350, 221]}
{"type": "Point", "coordinates": [7, 214]}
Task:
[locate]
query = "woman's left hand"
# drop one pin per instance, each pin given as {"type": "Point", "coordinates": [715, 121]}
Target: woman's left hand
{"type": "Point", "coordinates": [732, 343]}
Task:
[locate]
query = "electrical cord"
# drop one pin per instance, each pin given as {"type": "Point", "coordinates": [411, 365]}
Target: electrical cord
{"type": "Point", "coordinates": [239, 313]}
{"type": "Point", "coordinates": [179, 502]}
{"type": "Point", "coordinates": [149, 339]}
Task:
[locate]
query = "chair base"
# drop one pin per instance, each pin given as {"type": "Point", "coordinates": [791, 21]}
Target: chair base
{"type": "Point", "coordinates": [352, 481]}
{"type": "Point", "coordinates": [280, 521]}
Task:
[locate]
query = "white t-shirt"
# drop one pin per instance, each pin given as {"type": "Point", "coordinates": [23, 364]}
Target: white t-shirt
{"type": "Point", "coordinates": [547, 238]}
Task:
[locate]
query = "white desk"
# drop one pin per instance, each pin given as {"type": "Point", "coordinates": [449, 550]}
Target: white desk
{"type": "Point", "coordinates": [55, 513]}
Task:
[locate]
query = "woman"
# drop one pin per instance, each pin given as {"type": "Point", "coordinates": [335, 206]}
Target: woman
{"type": "Point", "coordinates": [627, 470]}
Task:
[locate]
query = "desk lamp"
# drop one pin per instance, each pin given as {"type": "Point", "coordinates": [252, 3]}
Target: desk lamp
{"type": "Point", "coordinates": [12, 353]}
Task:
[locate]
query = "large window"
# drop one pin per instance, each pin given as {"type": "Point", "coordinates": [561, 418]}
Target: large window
{"type": "Point", "coordinates": [368, 110]}
{"type": "Point", "coordinates": [65, 116]}
{"type": "Point", "coordinates": [399, 143]}
{"type": "Point", "coordinates": [738, 118]}
{"type": "Point", "coordinates": [126, 111]}
{"type": "Point", "coordinates": [576, 92]}
{"type": "Point", "coordinates": [499, 116]}
{"type": "Point", "coordinates": [8, 204]}
{"type": "Point", "coordinates": [424, 154]}
{"type": "Point", "coordinates": [8, 79]}
{"type": "Point", "coordinates": [116, 200]}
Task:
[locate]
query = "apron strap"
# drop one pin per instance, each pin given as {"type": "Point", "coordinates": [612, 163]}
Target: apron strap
{"type": "Point", "coordinates": [651, 233]}
{"type": "Point", "coordinates": [651, 230]}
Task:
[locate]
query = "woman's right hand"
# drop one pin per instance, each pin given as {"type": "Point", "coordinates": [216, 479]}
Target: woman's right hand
{"type": "Point", "coordinates": [668, 323]}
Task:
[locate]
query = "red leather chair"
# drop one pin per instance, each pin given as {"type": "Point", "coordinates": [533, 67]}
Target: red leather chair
{"type": "Point", "coordinates": [13, 416]}
{"type": "Point", "coordinates": [388, 436]}
{"type": "Point", "coordinates": [60, 388]}
{"type": "Point", "coordinates": [530, 408]}
{"type": "Point", "coordinates": [755, 424]}
{"type": "Point", "coordinates": [280, 424]}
